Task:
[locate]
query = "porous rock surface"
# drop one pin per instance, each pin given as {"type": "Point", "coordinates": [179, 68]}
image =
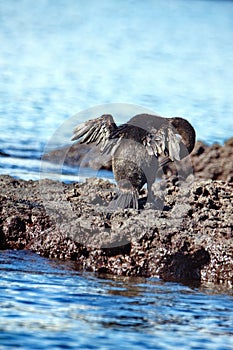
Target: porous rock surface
{"type": "Point", "coordinates": [190, 239]}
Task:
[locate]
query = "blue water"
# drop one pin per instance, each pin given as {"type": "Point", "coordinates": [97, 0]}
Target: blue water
{"type": "Point", "coordinates": [58, 58]}
{"type": "Point", "coordinates": [48, 305]}
{"type": "Point", "coordinates": [58, 61]}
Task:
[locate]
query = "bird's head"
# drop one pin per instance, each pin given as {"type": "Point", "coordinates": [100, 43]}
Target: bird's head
{"type": "Point", "coordinates": [187, 133]}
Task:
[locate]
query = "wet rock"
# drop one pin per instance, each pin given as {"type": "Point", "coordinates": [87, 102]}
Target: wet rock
{"type": "Point", "coordinates": [80, 154]}
{"type": "Point", "coordinates": [189, 240]}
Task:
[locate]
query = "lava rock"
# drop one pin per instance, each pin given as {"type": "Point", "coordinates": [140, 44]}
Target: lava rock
{"type": "Point", "coordinates": [188, 240]}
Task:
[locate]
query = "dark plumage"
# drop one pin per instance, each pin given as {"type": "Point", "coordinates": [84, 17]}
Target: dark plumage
{"type": "Point", "coordinates": [138, 148]}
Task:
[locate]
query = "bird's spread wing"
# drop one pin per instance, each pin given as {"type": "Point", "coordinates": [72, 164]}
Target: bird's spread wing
{"type": "Point", "coordinates": [163, 142]}
{"type": "Point", "coordinates": [122, 131]}
{"type": "Point", "coordinates": [96, 130]}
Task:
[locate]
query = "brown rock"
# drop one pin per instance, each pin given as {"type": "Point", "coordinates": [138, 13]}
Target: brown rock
{"type": "Point", "coordinates": [190, 240]}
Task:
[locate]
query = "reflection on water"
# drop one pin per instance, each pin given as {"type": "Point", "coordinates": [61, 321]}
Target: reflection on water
{"type": "Point", "coordinates": [47, 304]}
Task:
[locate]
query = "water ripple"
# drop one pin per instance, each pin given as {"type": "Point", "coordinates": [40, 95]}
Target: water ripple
{"type": "Point", "coordinates": [47, 303]}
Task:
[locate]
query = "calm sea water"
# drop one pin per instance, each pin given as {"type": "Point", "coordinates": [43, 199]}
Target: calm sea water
{"type": "Point", "coordinates": [48, 305]}
{"type": "Point", "coordinates": [59, 59]}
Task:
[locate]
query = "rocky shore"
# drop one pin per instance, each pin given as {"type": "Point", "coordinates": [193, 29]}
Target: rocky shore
{"type": "Point", "coordinates": [190, 239]}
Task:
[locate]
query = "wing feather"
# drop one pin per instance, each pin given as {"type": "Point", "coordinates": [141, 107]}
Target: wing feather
{"type": "Point", "coordinates": [163, 142]}
{"type": "Point", "coordinates": [95, 130]}
{"type": "Point", "coordinates": [173, 141]}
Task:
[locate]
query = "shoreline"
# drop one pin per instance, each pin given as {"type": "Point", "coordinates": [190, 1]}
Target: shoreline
{"type": "Point", "coordinates": [189, 240]}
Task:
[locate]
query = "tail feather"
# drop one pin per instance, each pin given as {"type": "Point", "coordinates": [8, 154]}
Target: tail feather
{"type": "Point", "coordinates": [124, 200]}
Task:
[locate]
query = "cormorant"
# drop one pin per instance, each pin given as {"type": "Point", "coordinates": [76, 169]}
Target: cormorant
{"type": "Point", "coordinates": [138, 148]}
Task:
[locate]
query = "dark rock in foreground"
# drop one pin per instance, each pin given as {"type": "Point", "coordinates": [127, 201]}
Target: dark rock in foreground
{"type": "Point", "coordinates": [190, 240]}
